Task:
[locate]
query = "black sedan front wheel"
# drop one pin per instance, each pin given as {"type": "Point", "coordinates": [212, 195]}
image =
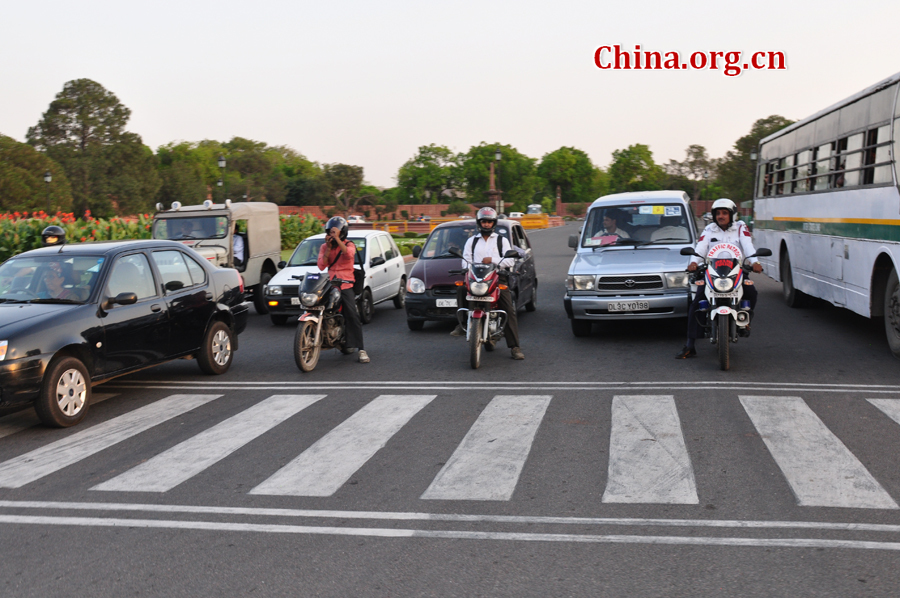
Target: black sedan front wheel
{"type": "Point", "coordinates": [65, 393]}
{"type": "Point", "coordinates": [216, 353]}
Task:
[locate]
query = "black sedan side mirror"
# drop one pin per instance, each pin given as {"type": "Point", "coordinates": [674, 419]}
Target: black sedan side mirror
{"type": "Point", "coordinates": [120, 299]}
{"type": "Point", "coordinates": [417, 251]}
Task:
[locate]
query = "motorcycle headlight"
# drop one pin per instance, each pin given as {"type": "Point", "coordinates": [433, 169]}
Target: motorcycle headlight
{"type": "Point", "coordinates": [723, 285]}
{"type": "Point", "coordinates": [273, 290]}
{"type": "Point", "coordinates": [415, 286]}
{"type": "Point", "coordinates": [479, 288]}
{"type": "Point", "coordinates": [580, 282]}
{"type": "Point", "coordinates": [677, 280]}
{"type": "Point", "coordinates": [3, 347]}
{"type": "Point", "coordinates": [309, 299]}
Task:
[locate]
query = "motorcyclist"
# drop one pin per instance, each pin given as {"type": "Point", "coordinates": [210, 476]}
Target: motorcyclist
{"type": "Point", "coordinates": [337, 255]}
{"type": "Point", "coordinates": [723, 229]}
{"type": "Point", "coordinates": [485, 248]}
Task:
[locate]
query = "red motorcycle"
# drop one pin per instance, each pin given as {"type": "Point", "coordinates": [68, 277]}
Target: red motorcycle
{"type": "Point", "coordinates": [484, 323]}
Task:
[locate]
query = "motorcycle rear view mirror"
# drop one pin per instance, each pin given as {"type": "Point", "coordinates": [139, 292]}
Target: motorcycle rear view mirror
{"type": "Point", "coordinates": [687, 251]}
{"type": "Point", "coordinates": [455, 251]}
{"type": "Point", "coordinates": [511, 253]}
{"type": "Point", "coordinates": [763, 252]}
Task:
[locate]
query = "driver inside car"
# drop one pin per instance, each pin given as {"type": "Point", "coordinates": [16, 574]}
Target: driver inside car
{"type": "Point", "coordinates": [723, 229]}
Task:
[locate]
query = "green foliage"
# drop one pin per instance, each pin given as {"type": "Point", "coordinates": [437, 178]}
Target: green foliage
{"type": "Point", "coordinates": [425, 176]}
{"type": "Point", "coordinates": [108, 168]}
{"type": "Point", "coordinates": [296, 228]}
{"type": "Point", "coordinates": [515, 172]}
{"type": "Point", "coordinates": [571, 171]}
{"type": "Point", "coordinates": [22, 185]}
{"type": "Point", "coordinates": [633, 169]}
{"type": "Point", "coordinates": [458, 207]}
{"type": "Point", "coordinates": [736, 169]}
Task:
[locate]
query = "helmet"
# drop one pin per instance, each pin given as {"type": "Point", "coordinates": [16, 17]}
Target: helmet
{"type": "Point", "coordinates": [486, 214]}
{"type": "Point", "coordinates": [53, 235]}
{"type": "Point", "coordinates": [338, 223]}
{"type": "Point", "coordinates": [724, 204]}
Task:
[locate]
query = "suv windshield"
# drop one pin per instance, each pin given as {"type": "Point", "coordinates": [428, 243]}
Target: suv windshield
{"type": "Point", "coordinates": [658, 224]}
{"type": "Point", "coordinates": [307, 253]}
{"type": "Point", "coordinates": [198, 227]}
{"type": "Point", "coordinates": [56, 278]}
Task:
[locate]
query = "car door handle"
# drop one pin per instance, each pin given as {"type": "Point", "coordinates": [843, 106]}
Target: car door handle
{"type": "Point", "coordinates": [155, 307]}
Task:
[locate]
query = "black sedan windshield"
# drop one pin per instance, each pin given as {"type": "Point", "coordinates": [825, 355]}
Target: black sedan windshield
{"type": "Point", "coordinates": [56, 278]}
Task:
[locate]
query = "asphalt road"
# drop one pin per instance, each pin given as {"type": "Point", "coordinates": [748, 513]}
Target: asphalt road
{"type": "Point", "coordinates": [598, 466]}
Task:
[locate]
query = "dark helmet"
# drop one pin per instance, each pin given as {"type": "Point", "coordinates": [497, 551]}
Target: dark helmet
{"type": "Point", "coordinates": [486, 214]}
{"type": "Point", "coordinates": [53, 235]}
{"type": "Point", "coordinates": [338, 223]}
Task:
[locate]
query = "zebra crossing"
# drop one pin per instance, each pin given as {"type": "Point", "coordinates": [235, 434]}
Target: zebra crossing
{"type": "Point", "coordinates": [649, 462]}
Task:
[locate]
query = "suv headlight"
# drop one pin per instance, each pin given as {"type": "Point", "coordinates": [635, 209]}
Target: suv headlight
{"type": "Point", "coordinates": [723, 285]}
{"type": "Point", "coordinates": [273, 290]}
{"type": "Point", "coordinates": [3, 347]}
{"type": "Point", "coordinates": [415, 286]}
{"type": "Point", "coordinates": [677, 280]}
{"type": "Point", "coordinates": [580, 282]}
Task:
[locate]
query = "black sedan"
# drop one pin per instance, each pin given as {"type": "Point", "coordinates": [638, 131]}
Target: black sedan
{"type": "Point", "coordinates": [76, 315]}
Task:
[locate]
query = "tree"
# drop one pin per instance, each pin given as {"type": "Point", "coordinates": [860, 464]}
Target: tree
{"type": "Point", "coordinates": [429, 174]}
{"type": "Point", "coordinates": [694, 173]}
{"type": "Point", "coordinates": [571, 171]}
{"type": "Point", "coordinates": [22, 186]}
{"type": "Point", "coordinates": [344, 183]}
{"type": "Point", "coordinates": [458, 207]}
{"type": "Point", "coordinates": [84, 131]}
{"type": "Point", "coordinates": [633, 169]}
{"type": "Point", "coordinates": [515, 172]}
{"type": "Point", "coordinates": [736, 169]}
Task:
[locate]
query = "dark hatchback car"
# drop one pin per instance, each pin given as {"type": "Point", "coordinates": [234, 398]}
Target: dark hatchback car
{"type": "Point", "coordinates": [431, 289]}
{"type": "Point", "coordinates": [76, 315]}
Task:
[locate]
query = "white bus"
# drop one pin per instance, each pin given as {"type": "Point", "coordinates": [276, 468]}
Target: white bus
{"type": "Point", "coordinates": [827, 203]}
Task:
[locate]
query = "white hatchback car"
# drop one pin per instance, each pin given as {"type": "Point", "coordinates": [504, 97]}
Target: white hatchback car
{"type": "Point", "coordinates": [384, 267]}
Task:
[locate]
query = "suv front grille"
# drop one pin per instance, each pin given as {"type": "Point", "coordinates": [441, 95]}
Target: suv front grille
{"type": "Point", "coordinates": [642, 282]}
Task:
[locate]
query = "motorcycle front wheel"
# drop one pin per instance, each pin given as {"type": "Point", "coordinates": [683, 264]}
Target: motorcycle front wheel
{"type": "Point", "coordinates": [306, 350]}
{"type": "Point", "coordinates": [475, 343]}
{"type": "Point", "coordinates": [722, 340]}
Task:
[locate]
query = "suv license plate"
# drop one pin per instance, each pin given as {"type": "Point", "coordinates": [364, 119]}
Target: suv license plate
{"type": "Point", "coordinates": [628, 306]}
{"type": "Point", "coordinates": [471, 298]}
{"type": "Point", "coordinates": [446, 303]}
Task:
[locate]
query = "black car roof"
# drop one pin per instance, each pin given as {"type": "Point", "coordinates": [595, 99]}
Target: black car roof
{"type": "Point", "coordinates": [102, 247]}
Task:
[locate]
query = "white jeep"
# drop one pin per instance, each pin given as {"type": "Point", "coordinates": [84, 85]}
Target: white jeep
{"type": "Point", "coordinates": [209, 230]}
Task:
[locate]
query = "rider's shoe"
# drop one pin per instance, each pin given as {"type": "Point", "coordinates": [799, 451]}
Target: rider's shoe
{"type": "Point", "coordinates": [458, 331]}
{"type": "Point", "coordinates": [347, 350]}
{"type": "Point", "coordinates": [744, 331]}
{"type": "Point", "coordinates": [686, 352]}
{"type": "Point", "coordinates": [363, 356]}
{"type": "Point", "coordinates": [517, 353]}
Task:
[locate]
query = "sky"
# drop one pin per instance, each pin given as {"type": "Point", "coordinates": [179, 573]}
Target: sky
{"type": "Point", "coordinates": [367, 83]}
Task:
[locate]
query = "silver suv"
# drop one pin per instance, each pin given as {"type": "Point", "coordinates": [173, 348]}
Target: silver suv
{"type": "Point", "coordinates": [628, 263]}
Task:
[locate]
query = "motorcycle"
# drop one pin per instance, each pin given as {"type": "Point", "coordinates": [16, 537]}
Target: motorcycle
{"type": "Point", "coordinates": [486, 323]}
{"type": "Point", "coordinates": [322, 325]}
{"type": "Point", "coordinates": [725, 313]}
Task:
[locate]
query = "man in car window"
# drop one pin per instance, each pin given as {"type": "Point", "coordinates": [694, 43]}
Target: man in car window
{"type": "Point", "coordinates": [484, 248]}
{"type": "Point", "coordinates": [238, 247]}
{"type": "Point", "coordinates": [611, 224]}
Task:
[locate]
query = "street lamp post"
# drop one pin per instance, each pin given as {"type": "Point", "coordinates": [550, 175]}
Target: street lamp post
{"type": "Point", "coordinates": [494, 194]}
{"type": "Point", "coordinates": [221, 162]}
{"type": "Point", "coordinates": [47, 178]}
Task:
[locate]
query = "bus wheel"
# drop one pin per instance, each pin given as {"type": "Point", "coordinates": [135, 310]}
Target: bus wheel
{"type": "Point", "coordinates": [792, 296]}
{"type": "Point", "coordinates": [892, 313]}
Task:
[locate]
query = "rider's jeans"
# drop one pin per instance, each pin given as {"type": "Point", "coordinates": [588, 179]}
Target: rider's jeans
{"type": "Point", "coordinates": [353, 335]}
{"type": "Point", "coordinates": [695, 330]}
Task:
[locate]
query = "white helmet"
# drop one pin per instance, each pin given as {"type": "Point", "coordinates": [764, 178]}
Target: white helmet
{"type": "Point", "coordinates": [724, 204]}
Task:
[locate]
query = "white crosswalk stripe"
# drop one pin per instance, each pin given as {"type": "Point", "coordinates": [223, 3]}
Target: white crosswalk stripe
{"type": "Point", "coordinates": [328, 464]}
{"type": "Point", "coordinates": [180, 463]}
{"type": "Point", "coordinates": [488, 462]}
{"type": "Point", "coordinates": [60, 454]}
{"type": "Point", "coordinates": [890, 407]}
{"type": "Point", "coordinates": [648, 460]}
{"type": "Point", "coordinates": [820, 469]}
